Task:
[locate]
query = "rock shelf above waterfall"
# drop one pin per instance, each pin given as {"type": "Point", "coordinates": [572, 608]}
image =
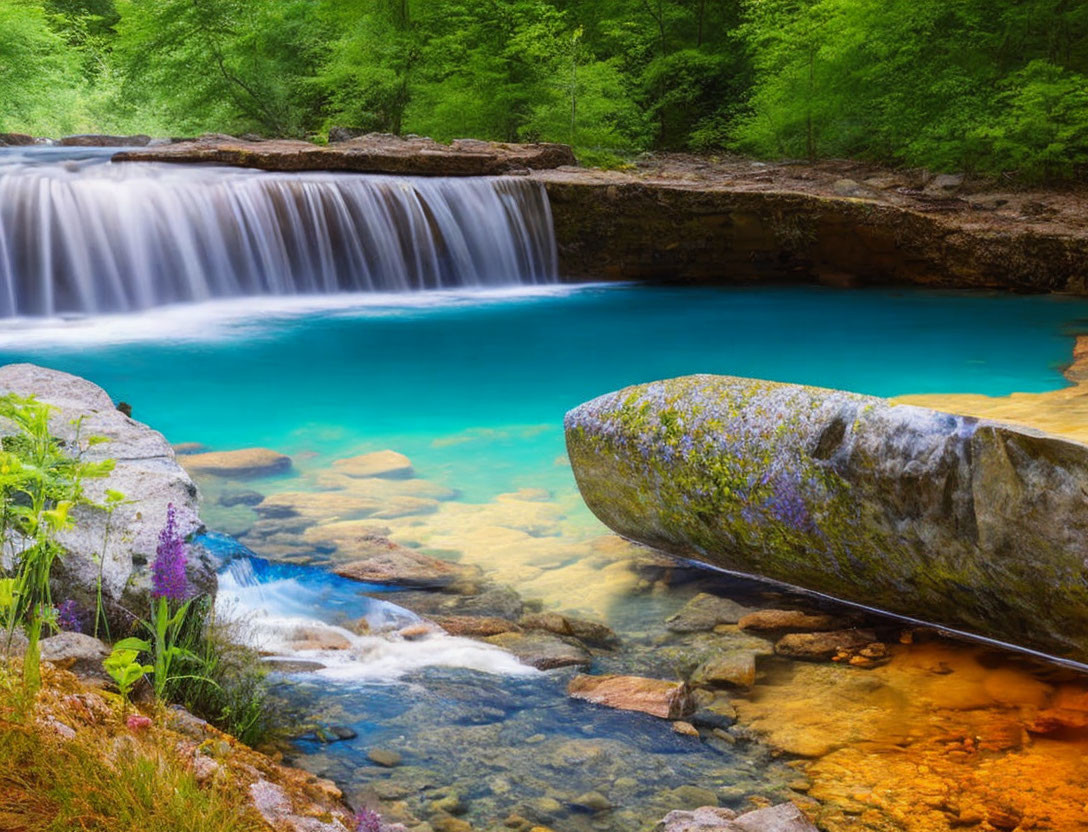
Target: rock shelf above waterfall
{"type": "Point", "coordinates": [971, 524]}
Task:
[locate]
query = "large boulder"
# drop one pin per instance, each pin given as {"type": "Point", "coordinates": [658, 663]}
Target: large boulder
{"type": "Point", "coordinates": [146, 473]}
{"type": "Point", "coordinates": [971, 524]}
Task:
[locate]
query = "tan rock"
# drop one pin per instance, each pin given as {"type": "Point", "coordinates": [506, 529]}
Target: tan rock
{"type": "Point", "coordinates": [476, 626]}
{"type": "Point", "coordinates": [388, 464]}
{"type": "Point", "coordinates": [685, 728]}
{"type": "Point", "coordinates": [317, 638]}
{"type": "Point", "coordinates": [793, 620]}
{"type": "Point", "coordinates": [822, 646]}
{"type": "Point", "coordinates": [590, 632]}
{"type": "Point", "coordinates": [657, 697]}
{"type": "Point", "coordinates": [386, 562]}
{"type": "Point", "coordinates": [317, 506]}
{"type": "Point", "coordinates": [241, 464]}
{"type": "Point", "coordinates": [736, 668]}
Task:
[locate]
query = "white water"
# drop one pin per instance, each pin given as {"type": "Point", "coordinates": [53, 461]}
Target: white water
{"type": "Point", "coordinates": [80, 235]}
{"type": "Point", "coordinates": [278, 611]}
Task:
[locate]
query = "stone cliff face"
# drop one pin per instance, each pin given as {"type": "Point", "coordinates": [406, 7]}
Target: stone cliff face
{"type": "Point", "coordinates": [617, 227]}
{"type": "Point", "coordinates": [974, 525]}
{"type": "Point", "coordinates": [689, 219]}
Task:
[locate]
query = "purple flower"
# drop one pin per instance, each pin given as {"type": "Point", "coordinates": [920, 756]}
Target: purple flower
{"type": "Point", "coordinates": [367, 820]}
{"type": "Point", "coordinates": [69, 617]}
{"type": "Point", "coordinates": [168, 569]}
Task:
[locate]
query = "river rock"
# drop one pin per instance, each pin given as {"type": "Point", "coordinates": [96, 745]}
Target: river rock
{"type": "Point", "coordinates": [782, 818]}
{"type": "Point", "coordinates": [100, 140]}
{"type": "Point", "coordinates": [705, 612]}
{"type": "Point", "coordinates": [146, 472]}
{"type": "Point", "coordinates": [822, 646]}
{"type": "Point", "coordinates": [246, 463]}
{"type": "Point", "coordinates": [386, 562]}
{"type": "Point", "coordinates": [735, 667]}
{"type": "Point", "coordinates": [794, 620]}
{"type": "Point", "coordinates": [657, 697]}
{"type": "Point", "coordinates": [590, 632]}
{"type": "Point", "coordinates": [967, 523]}
{"type": "Point", "coordinates": [543, 651]}
{"type": "Point", "coordinates": [16, 140]}
{"type": "Point", "coordinates": [387, 464]}
{"type": "Point", "coordinates": [475, 626]}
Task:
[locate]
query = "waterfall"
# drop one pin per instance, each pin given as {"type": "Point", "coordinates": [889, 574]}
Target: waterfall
{"type": "Point", "coordinates": [79, 235]}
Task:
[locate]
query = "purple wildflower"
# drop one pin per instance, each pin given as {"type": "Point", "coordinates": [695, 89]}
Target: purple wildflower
{"type": "Point", "coordinates": [367, 820]}
{"type": "Point", "coordinates": [168, 569]}
{"type": "Point", "coordinates": [69, 617]}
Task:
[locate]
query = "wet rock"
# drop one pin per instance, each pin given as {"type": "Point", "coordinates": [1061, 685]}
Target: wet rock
{"type": "Point", "coordinates": [100, 140]}
{"type": "Point", "coordinates": [79, 653]}
{"type": "Point", "coordinates": [657, 697]}
{"type": "Point", "coordinates": [146, 472]}
{"type": "Point", "coordinates": [384, 757]}
{"type": "Point", "coordinates": [685, 728]}
{"type": "Point", "coordinates": [316, 638]}
{"type": "Point", "coordinates": [317, 506]}
{"type": "Point", "coordinates": [475, 626]}
{"type": "Point", "coordinates": [847, 187]}
{"type": "Point", "coordinates": [230, 499]}
{"type": "Point", "coordinates": [384, 464]}
{"type": "Point", "coordinates": [736, 668]}
{"type": "Point", "coordinates": [370, 153]}
{"type": "Point", "coordinates": [292, 665]}
{"type": "Point", "coordinates": [246, 463]}
{"type": "Point", "coordinates": [689, 796]}
{"type": "Point", "coordinates": [182, 448]}
{"type": "Point", "coordinates": [493, 601]}
{"type": "Point", "coordinates": [592, 802]}
{"type": "Point", "coordinates": [822, 646]}
{"type": "Point", "coordinates": [544, 651]}
{"type": "Point", "coordinates": [16, 140]}
{"type": "Point", "coordinates": [793, 620]}
{"type": "Point", "coordinates": [589, 632]}
{"type": "Point", "coordinates": [705, 612]}
{"type": "Point", "coordinates": [386, 562]}
{"type": "Point", "coordinates": [703, 819]}
{"type": "Point", "coordinates": [719, 713]}
{"type": "Point", "coordinates": [450, 824]}
{"type": "Point", "coordinates": [969, 523]}
{"type": "Point", "coordinates": [783, 818]}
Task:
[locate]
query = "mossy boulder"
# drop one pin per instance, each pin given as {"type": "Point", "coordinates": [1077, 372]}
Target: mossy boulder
{"type": "Point", "coordinates": [971, 524]}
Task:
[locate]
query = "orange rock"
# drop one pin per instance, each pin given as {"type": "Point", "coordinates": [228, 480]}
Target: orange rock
{"type": "Point", "coordinates": [657, 697]}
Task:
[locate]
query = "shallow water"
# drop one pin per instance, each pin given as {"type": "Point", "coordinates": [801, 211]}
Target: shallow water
{"type": "Point", "coordinates": [473, 387]}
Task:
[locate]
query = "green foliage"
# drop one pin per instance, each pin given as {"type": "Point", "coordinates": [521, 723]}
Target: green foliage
{"type": "Point", "coordinates": [228, 686]}
{"type": "Point", "coordinates": [41, 480]}
{"type": "Point", "coordinates": [988, 85]}
{"type": "Point", "coordinates": [124, 667]}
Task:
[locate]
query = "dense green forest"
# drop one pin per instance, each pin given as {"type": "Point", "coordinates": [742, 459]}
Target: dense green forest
{"type": "Point", "coordinates": [978, 85]}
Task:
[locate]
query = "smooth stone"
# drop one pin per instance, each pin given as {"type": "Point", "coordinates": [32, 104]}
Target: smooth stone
{"type": "Point", "coordinates": [230, 499]}
{"type": "Point", "coordinates": [189, 448]}
{"type": "Point", "coordinates": [384, 464]}
{"type": "Point", "coordinates": [657, 697]}
{"type": "Point", "coordinates": [793, 620]}
{"type": "Point", "coordinates": [306, 637]}
{"type": "Point", "coordinates": [590, 632]}
{"type": "Point", "coordinates": [475, 626]}
{"type": "Point", "coordinates": [782, 818]}
{"type": "Point", "coordinates": [592, 801]}
{"type": "Point", "coordinates": [718, 714]}
{"type": "Point", "coordinates": [822, 646]}
{"type": "Point", "coordinates": [705, 612]}
{"type": "Point", "coordinates": [543, 651]}
{"type": "Point", "coordinates": [685, 728]}
{"type": "Point", "coordinates": [386, 562]}
{"type": "Point", "coordinates": [317, 506]}
{"type": "Point", "coordinates": [384, 757]}
{"type": "Point", "coordinates": [102, 140]}
{"type": "Point", "coordinates": [246, 463]}
{"type": "Point", "coordinates": [968, 523]}
{"type": "Point", "coordinates": [690, 796]}
{"type": "Point", "coordinates": [703, 819]}
{"type": "Point", "coordinates": [79, 653]}
{"type": "Point", "coordinates": [736, 668]}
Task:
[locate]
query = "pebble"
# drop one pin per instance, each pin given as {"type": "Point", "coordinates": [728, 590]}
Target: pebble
{"type": "Point", "coordinates": [384, 757]}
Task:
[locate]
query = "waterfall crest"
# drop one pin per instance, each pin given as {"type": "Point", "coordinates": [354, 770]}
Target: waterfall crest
{"type": "Point", "coordinates": [79, 235]}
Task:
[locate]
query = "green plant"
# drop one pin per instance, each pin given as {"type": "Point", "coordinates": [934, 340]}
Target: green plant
{"type": "Point", "coordinates": [114, 500]}
{"type": "Point", "coordinates": [41, 481]}
{"type": "Point", "coordinates": [124, 666]}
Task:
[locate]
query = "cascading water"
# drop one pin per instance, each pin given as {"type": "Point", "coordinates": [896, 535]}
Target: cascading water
{"type": "Point", "coordinates": [79, 235]}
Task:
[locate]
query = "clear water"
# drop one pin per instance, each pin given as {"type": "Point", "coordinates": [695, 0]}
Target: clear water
{"type": "Point", "coordinates": [473, 388]}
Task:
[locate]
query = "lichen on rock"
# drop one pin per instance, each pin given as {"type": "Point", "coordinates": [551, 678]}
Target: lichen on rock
{"type": "Point", "coordinates": [971, 524]}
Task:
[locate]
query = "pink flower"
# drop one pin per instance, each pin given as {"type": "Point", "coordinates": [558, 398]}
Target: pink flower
{"type": "Point", "coordinates": [138, 722]}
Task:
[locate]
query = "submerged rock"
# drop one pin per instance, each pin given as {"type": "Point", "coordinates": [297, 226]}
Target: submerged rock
{"type": "Point", "coordinates": [823, 646]}
{"type": "Point", "coordinates": [590, 632]}
{"type": "Point", "coordinates": [387, 464]}
{"type": "Point", "coordinates": [543, 651]}
{"type": "Point", "coordinates": [705, 612]}
{"type": "Point", "coordinates": [245, 463]}
{"type": "Point", "coordinates": [966, 523]}
{"type": "Point", "coordinates": [782, 818]}
{"type": "Point", "coordinates": [386, 562]}
{"type": "Point", "coordinates": [657, 697]}
{"type": "Point", "coordinates": [795, 620]}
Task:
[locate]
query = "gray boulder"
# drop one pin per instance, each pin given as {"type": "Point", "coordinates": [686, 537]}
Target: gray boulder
{"type": "Point", "coordinates": [782, 818]}
{"type": "Point", "coordinates": [971, 524]}
{"type": "Point", "coordinates": [146, 473]}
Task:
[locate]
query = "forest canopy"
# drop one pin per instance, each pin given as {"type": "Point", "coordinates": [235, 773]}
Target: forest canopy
{"type": "Point", "coordinates": [978, 85]}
